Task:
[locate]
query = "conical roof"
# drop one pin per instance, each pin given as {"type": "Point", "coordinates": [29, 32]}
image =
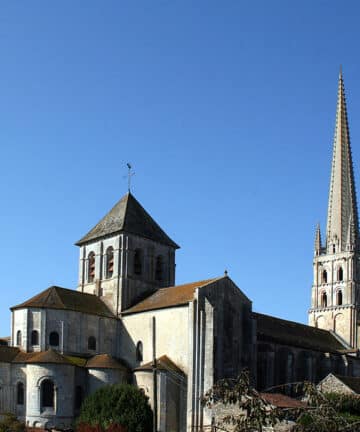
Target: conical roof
{"type": "Point", "coordinates": [342, 207]}
{"type": "Point", "coordinates": [128, 215]}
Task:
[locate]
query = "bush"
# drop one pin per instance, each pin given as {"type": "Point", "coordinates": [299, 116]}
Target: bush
{"type": "Point", "coordinates": [115, 406]}
{"type": "Point", "coordinates": [345, 403]}
{"type": "Point", "coordinates": [11, 424]}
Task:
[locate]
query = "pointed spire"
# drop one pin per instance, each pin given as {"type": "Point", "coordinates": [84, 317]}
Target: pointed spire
{"type": "Point", "coordinates": [342, 220]}
{"type": "Point", "coordinates": [317, 240]}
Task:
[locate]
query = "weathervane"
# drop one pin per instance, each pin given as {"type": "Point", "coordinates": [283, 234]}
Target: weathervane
{"type": "Point", "coordinates": [130, 174]}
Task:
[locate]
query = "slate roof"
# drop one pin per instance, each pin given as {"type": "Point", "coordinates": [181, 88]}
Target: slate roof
{"type": "Point", "coordinates": [285, 332]}
{"type": "Point", "coordinates": [282, 401]}
{"type": "Point", "coordinates": [128, 215]}
{"type": "Point", "coordinates": [352, 382]}
{"type": "Point", "coordinates": [163, 363]}
{"type": "Point", "coordinates": [67, 299]}
{"type": "Point", "coordinates": [168, 297]}
{"type": "Point", "coordinates": [104, 361]}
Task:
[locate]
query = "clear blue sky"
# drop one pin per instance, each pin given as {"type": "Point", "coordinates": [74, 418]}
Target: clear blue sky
{"type": "Point", "coordinates": [225, 109]}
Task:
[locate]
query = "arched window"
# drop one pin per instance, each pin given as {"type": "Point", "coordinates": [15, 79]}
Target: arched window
{"type": "Point", "coordinates": [324, 299]}
{"type": "Point", "coordinates": [159, 268]}
{"type": "Point", "coordinates": [139, 351]}
{"type": "Point", "coordinates": [79, 396]}
{"type": "Point", "coordinates": [109, 262]}
{"type": "Point", "coordinates": [324, 276]}
{"type": "Point", "coordinates": [34, 337]}
{"type": "Point", "coordinates": [339, 298]}
{"type": "Point", "coordinates": [18, 338]}
{"type": "Point", "coordinates": [20, 393]}
{"type": "Point", "coordinates": [340, 274]}
{"type": "Point", "coordinates": [92, 343]}
{"type": "Point", "coordinates": [138, 262]}
{"type": "Point", "coordinates": [47, 390]}
{"type": "Point", "coordinates": [54, 339]}
{"type": "Point", "coordinates": [91, 267]}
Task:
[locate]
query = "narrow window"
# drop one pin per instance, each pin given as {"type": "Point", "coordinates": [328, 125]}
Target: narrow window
{"type": "Point", "coordinates": [340, 274]}
{"type": "Point", "coordinates": [324, 276]}
{"type": "Point", "coordinates": [91, 267]}
{"type": "Point", "coordinates": [18, 338]}
{"type": "Point", "coordinates": [324, 299]}
{"type": "Point", "coordinates": [334, 248]}
{"type": "Point", "coordinates": [34, 337]}
{"type": "Point", "coordinates": [20, 393]}
{"type": "Point", "coordinates": [79, 395]}
{"type": "Point", "coordinates": [159, 268]}
{"type": "Point", "coordinates": [339, 298]}
{"type": "Point", "coordinates": [92, 343]}
{"type": "Point", "coordinates": [109, 262]}
{"type": "Point", "coordinates": [139, 351]}
{"type": "Point", "coordinates": [47, 394]}
{"type": "Point", "coordinates": [137, 262]}
{"type": "Point", "coordinates": [54, 339]}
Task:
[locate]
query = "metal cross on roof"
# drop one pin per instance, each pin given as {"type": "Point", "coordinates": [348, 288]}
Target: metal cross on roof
{"type": "Point", "coordinates": [130, 174]}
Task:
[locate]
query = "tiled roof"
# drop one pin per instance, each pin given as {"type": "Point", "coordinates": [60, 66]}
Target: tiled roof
{"type": "Point", "coordinates": [104, 361]}
{"type": "Point", "coordinates": [128, 215]}
{"type": "Point", "coordinates": [351, 382]}
{"type": "Point", "coordinates": [170, 296]}
{"type": "Point", "coordinates": [285, 332]}
{"type": "Point", "coordinates": [7, 354]}
{"type": "Point", "coordinates": [162, 363]}
{"type": "Point", "coordinates": [5, 340]}
{"type": "Point", "coordinates": [49, 356]}
{"type": "Point", "coordinates": [62, 298]}
{"type": "Point", "coordinates": [282, 401]}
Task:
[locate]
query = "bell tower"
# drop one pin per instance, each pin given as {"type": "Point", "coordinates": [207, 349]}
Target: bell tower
{"type": "Point", "coordinates": [335, 303]}
{"type": "Point", "coordinates": [125, 256]}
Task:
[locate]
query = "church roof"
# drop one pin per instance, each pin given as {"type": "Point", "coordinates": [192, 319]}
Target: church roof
{"type": "Point", "coordinates": [285, 332]}
{"type": "Point", "coordinates": [7, 353]}
{"type": "Point", "coordinates": [128, 215]}
{"type": "Point", "coordinates": [67, 299]}
{"type": "Point", "coordinates": [352, 382]}
{"type": "Point", "coordinates": [49, 356]}
{"type": "Point", "coordinates": [104, 361]}
{"type": "Point", "coordinates": [169, 297]}
{"type": "Point", "coordinates": [162, 363]}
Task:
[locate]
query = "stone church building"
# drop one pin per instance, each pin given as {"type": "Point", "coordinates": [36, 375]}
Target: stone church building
{"type": "Point", "coordinates": [128, 315]}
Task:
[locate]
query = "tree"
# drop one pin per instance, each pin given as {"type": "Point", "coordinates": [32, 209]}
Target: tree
{"type": "Point", "coordinates": [11, 424]}
{"type": "Point", "coordinates": [120, 404]}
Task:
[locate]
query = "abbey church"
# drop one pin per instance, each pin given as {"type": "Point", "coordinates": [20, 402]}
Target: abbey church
{"type": "Point", "coordinates": [128, 321]}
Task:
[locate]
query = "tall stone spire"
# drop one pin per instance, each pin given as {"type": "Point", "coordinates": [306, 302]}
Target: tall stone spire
{"type": "Point", "coordinates": [342, 220]}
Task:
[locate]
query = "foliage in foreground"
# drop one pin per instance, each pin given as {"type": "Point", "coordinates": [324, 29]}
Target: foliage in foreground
{"type": "Point", "coordinates": [11, 424]}
{"type": "Point", "coordinates": [251, 413]}
{"type": "Point", "coordinates": [115, 406]}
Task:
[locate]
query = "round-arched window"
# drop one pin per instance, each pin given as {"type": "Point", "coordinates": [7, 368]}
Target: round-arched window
{"type": "Point", "coordinates": [47, 394]}
{"type": "Point", "coordinates": [91, 267]}
{"type": "Point", "coordinates": [54, 339]}
{"type": "Point", "coordinates": [34, 337]}
{"type": "Point", "coordinates": [139, 351]}
{"type": "Point", "coordinates": [92, 343]}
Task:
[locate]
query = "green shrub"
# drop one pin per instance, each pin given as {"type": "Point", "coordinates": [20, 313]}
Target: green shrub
{"type": "Point", "coordinates": [11, 424]}
{"type": "Point", "coordinates": [121, 404]}
{"type": "Point", "coordinates": [345, 403]}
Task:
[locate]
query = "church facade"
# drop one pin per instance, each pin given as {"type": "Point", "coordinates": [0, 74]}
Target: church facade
{"type": "Point", "coordinates": [128, 321]}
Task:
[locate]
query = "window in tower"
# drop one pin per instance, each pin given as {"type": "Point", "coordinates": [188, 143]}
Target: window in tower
{"type": "Point", "coordinates": [18, 338]}
{"type": "Point", "coordinates": [339, 298]}
{"type": "Point", "coordinates": [34, 337]}
{"type": "Point", "coordinates": [20, 393]}
{"type": "Point", "coordinates": [334, 249]}
{"type": "Point", "coordinates": [91, 267]}
{"type": "Point", "coordinates": [340, 274]}
{"type": "Point", "coordinates": [47, 394]}
{"type": "Point", "coordinates": [324, 299]}
{"type": "Point", "coordinates": [54, 339]}
{"type": "Point", "coordinates": [137, 262]}
{"type": "Point", "coordinates": [324, 276]}
{"type": "Point", "coordinates": [109, 262]}
{"type": "Point", "coordinates": [139, 351]}
{"type": "Point", "coordinates": [92, 343]}
{"type": "Point", "coordinates": [159, 268]}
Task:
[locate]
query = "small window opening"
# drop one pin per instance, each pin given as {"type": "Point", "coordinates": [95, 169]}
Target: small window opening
{"type": "Point", "coordinates": [34, 337]}
{"type": "Point", "coordinates": [92, 343]}
{"type": "Point", "coordinates": [324, 276]}
{"type": "Point", "coordinates": [20, 393]}
{"type": "Point", "coordinates": [79, 396]}
{"type": "Point", "coordinates": [333, 248]}
{"type": "Point", "coordinates": [54, 339]}
{"type": "Point", "coordinates": [91, 267]}
{"type": "Point", "coordinates": [324, 300]}
{"type": "Point", "coordinates": [109, 262]}
{"type": "Point", "coordinates": [339, 298]}
{"type": "Point", "coordinates": [159, 268]}
{"type": "Point", "coordinates": [18, 338]}
{"type": "Point", "coordinates": [137, 262]}
{"type": "Point", "coordinates": [340, 274]}
{"type": "Point", "coordinates": [47, 394]}
{"type": "Point", "coordinates": [139, 351]}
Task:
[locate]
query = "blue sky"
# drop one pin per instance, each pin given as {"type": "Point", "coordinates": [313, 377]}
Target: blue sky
{"type": "Point", "coordinates": [226, 110]}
